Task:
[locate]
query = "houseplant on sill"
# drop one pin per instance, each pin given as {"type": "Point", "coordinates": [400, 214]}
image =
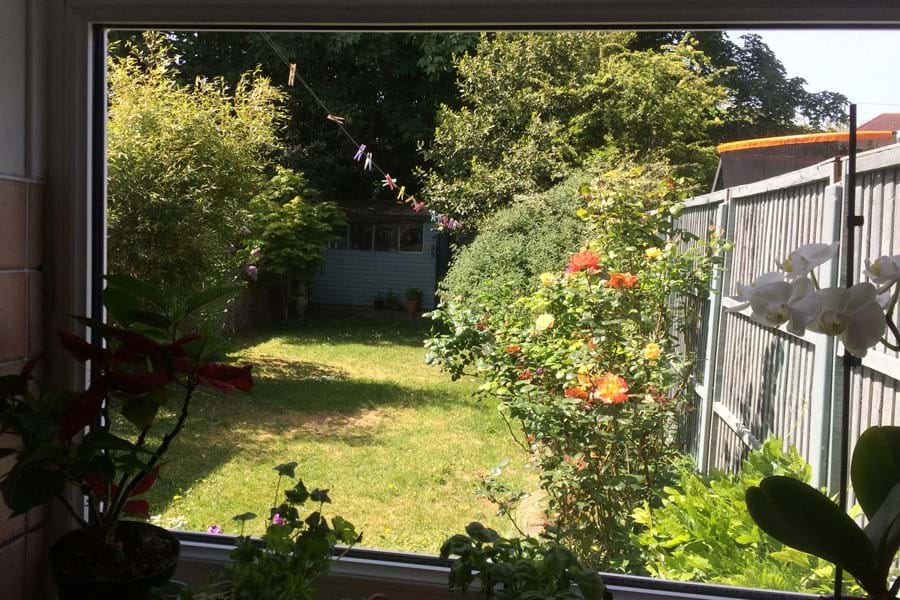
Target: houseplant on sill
{"type": "Point", "coordinates": [413, 297]}
{"type": "Point", "coordinates": [793, 512]}
{"type": "Point", "coordinates": [149, 360]}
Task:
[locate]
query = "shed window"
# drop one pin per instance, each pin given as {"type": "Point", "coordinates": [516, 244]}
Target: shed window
{"type": "Point", "coordinates": [361, 236]}
{"type": "Point", "coordinates": [411, 237]}
{"type": "Point", "coordinates": [386, 237]}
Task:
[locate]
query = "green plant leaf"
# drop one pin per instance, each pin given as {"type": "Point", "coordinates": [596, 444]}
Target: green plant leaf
{"type": "Point", "coordinates": [138, 288]}
{"type": "Point", "coordinates": [140, 411]}
{"type": "Point", "coordinates": [243, 517]}
{"type": "Point", "coordinates": [884, 530]}
{"type": "Point", "coordinates": [875, 467]}
{"type": "Point", "coordinates": [803, 518]}
{"type": "Point", "coordinates": [119, 303]}
{"type": "Point", "coordinates": [201, 299]}
{"type": "Point", "coordinates": [287, 469]}
{"type": "Point", "coordinates": [152, 319]}
{"type": "Point", "coordinates": [24, 489]}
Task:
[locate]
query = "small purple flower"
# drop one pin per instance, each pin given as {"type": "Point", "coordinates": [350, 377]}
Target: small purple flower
{"type": "Point", "coordinates": [540, 371]}
{"type": "Point", "coordinates": [252, 272]}
{"type": "Point", "coordinates": [214, 529]}
{"type": "Point", "coordinates": [278, 519]}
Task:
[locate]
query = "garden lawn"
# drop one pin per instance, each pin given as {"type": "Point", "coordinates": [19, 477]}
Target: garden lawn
{"type": "Point", "coordinates": [351, 400]}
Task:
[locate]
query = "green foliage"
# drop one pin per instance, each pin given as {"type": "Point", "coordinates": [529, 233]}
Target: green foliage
{"type": "Point", "coordinates": [535, 234]}
{"type": "Point", "coordinates": [804, 518]}
{"type": "Point", "coordinates": [296, 548]}
{"type": "Point", "coordinates": [184, 161]}
{"type": "Point", "coordinates": [535, 106]}
{"type": "Point", "coordinates": [702, 532]}
{"type": "Point", "coordinates": [762, 99]}
{"type": "Point", "coordinates": [289, 227]}
{"type": "Point", "coordinates": [388, 87]}
{"type": "Point", "coordinates": [588, 365]}
{"type": "Point", "coordinates": [519, 568]}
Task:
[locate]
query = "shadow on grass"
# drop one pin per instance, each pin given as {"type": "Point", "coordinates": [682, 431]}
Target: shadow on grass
{"type": "Point", "coordinates": [351, 328]}
{"type": "Point", "coordinates": [292, 402]}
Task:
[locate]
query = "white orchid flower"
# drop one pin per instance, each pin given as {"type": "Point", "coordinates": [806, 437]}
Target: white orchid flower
{"type": "Point", "coordinates": [884, 271]}
{"type": "Point", "coordinates": [780, 302]}
{"type": "Point", "coordinates": [745, 291]}
{"type": "Point", "coordinates": [804, 259]}
{"type": "Point", "coordinates": [852, 314]}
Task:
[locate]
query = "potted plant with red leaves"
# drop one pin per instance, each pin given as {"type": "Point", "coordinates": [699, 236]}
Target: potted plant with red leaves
{"type": "Point", "coordinates": [154, 353]}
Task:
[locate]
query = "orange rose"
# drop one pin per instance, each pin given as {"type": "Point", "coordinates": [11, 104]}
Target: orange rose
{"type": "Point", "coordinates": [584, 261]}
{"type": "Point", "coordinates": [610, 389]}
{"type": "Point", "coordinates": [617, 280]}
{"type": "Point", "coordinates": [576, 392]}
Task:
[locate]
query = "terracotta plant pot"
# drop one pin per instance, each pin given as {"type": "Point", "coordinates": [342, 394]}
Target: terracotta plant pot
{"type": "Point", "coordinates": [85, 568]}
{"type": "Point", "coordinates": [412, 307]}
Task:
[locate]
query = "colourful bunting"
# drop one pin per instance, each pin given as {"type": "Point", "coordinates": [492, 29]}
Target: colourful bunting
{"type": "Point", "coordinates": [359, 153]}
{"type": "Point", "coordinates": [368, 165]}
{"type": "Point", "coordinates": [292, 74]}
{"type": "Point", "coordinates": [401, 193]}
{"type": "Point", "coordinates": [389, 182]}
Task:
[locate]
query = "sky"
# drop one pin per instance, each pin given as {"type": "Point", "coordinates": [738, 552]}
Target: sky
{"type": "Point", "coordinates": [862, 64]}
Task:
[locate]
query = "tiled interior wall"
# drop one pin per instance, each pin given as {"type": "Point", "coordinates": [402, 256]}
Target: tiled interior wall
{"type": "Point", "coordinates": [23, 548]}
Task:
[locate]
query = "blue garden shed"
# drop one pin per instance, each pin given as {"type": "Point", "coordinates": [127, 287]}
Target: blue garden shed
{"type": "Point", "coordinates": [383, 250]}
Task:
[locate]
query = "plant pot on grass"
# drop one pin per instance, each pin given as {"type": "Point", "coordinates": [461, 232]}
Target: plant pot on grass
{"type": "Point", "coordinates": [413, 298]}
{"type": "Point", "coordinates": [147, 361]}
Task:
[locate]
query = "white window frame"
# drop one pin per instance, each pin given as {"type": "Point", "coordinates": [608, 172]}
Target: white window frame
{"type": "Point", "coordinates": [72, 31]}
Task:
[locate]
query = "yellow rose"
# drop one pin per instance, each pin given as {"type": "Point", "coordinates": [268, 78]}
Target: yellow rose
{"type": "Point", "coordinates": [652, 351]}
{"type": "Point", "coordinates": [544, 322]}
{"type": "Point", "coordinates": [548, 279]}
{"type": "Point", "coordinates": [653, 253]}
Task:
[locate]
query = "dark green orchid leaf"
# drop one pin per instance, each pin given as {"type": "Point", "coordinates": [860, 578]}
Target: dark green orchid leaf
{"type": "Point", "coordinates": [803, 518]}
{"type": "Point", "coordinates": [875, 468]}
{"type": "Point", "coordinates": [883, 530]}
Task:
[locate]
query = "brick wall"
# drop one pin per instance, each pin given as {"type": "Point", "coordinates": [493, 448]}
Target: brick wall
{"type": "Point", "coordinates": [23, 543]}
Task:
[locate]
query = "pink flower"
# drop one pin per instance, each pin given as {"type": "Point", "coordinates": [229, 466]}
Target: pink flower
{"type": "Point", "coordinates": [278, 519]}
{"type": "Point", "coordinates": [214, 529]}
{"type": "Point", "coordinates": [252, 272]}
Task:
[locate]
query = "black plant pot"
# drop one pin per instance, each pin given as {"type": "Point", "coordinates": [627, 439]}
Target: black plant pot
{"type": "Point", "coordinates": [85, 568]}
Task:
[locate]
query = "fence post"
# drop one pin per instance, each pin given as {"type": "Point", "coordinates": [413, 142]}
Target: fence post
{"type": "Point", "coordinates": [708, 391]}
{"type": "Point", "coordinates": [820, 405]}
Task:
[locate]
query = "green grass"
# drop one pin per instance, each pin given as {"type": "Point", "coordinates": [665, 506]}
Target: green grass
{"type": "Point", "coordinates": [352, 402]}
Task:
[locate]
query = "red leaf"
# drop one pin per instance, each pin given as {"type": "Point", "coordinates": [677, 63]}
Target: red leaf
{"type": "Point", "coordinates": [139, 508]}
{"type": "Point", "coordinates": [226, 377]}
{"type": "Point", "coordinates": [97, 484]}
{"type": "Point", "coordinates": [82, 411]}
{"type": "Point", "coordinates": [146, 483]}
{"type": "Point", "coordinates": [79, 348]}
{"type": "Point", "coordinates": [139, 383]}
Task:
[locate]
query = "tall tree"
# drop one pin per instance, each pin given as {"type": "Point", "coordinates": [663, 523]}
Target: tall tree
{"type": "Point", "coordinates": [535, 106]}
{"type": "Point", "coordinates": [184, 162]}
{"type": "Point", "coordinates": [763, 100]}
{"type": "Point", "coordinates": [388, 87]}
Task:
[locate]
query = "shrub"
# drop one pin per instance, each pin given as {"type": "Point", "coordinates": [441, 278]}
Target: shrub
{"type": "Point", "coordinates": [703, 532]}
{"type": "Point", "coordinates": [587, 364]}
{"type": "Point", "coordinates": [516, 244]}
{"type": "Point", "coordinates": [184, 162]}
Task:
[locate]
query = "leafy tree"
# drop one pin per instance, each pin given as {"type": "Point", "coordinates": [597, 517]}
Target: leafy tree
{"type": "Point", "coordinates": [289, 226]}
{"type": "Point", "coordinates": [535, 106]}
{"type": "Point", "coordinates": [388, 86]}
{"type": "Point", "coordinates": [762, 99]}
{"type": "Point", "coordinates": [184, 161]}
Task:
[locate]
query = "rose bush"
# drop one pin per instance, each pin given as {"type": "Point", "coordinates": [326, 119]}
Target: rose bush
{"type": "Point", "coordinates": [588, 364]}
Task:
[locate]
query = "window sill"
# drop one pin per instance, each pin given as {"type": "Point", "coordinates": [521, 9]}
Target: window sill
{"type": "Point", "coordinates": [408, 576]}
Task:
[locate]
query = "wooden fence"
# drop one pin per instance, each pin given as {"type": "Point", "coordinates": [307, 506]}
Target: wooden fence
{"type": "Point", "coordinates": [752, 382]}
